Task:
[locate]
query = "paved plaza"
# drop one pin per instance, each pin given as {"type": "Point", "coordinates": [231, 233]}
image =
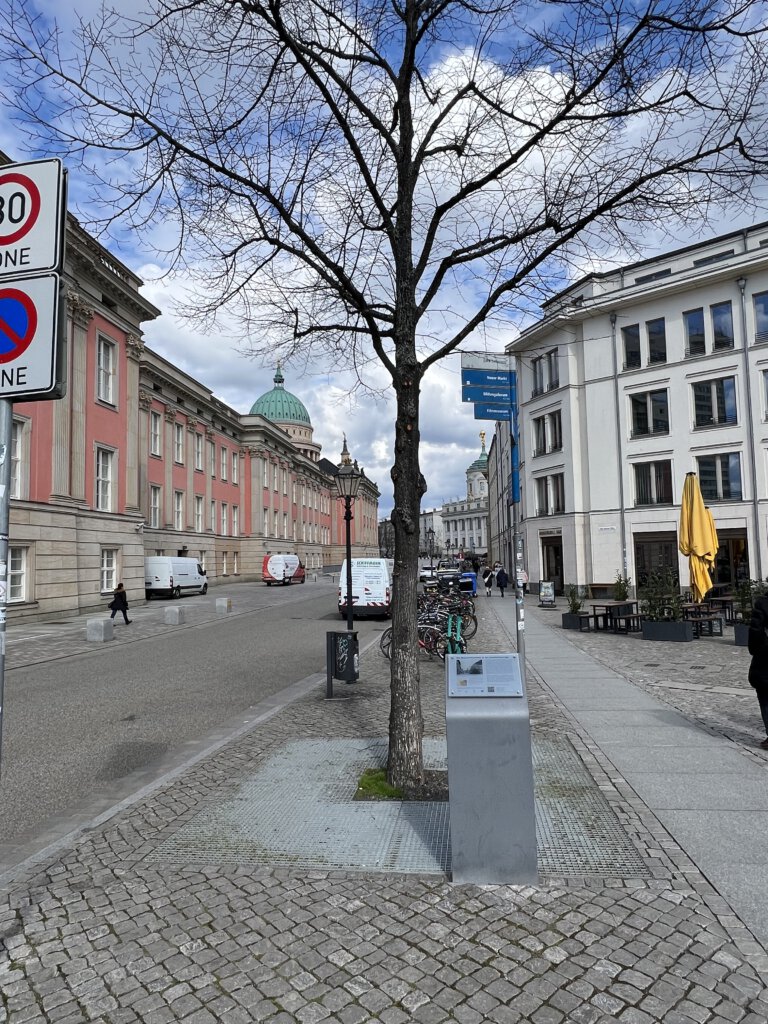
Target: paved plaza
{"type": "Point", "coordinates": [247, 885]}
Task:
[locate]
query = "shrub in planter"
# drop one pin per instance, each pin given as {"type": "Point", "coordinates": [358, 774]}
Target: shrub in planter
{"type": "Point", "coordinates": [575, 604]}
{"type": "Point", "coordinates": [621, 587]}
{"type": "Point", "coordinates": [662, 606]}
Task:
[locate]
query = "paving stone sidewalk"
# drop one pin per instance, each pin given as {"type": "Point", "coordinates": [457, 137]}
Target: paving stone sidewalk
{"type": "Point", "coordinates": [102, 932]}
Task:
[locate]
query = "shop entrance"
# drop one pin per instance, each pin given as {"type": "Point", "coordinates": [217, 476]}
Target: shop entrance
{"type": "Point", "coordinates": [552, 561]}
{"type": "Point", "coordinates": [732, 561]}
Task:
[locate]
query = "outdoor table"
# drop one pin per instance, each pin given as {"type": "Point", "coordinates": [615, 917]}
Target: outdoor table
{"type": "Point", "coordinates": [613, 613]}
{"type": "Point", "coordinates": [692, 610]}
{"type": "Point", "coordinates": [723, 604]}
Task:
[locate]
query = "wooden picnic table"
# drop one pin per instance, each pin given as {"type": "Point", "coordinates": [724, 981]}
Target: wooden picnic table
{"type": "Point", "coordinates": [618, 616]}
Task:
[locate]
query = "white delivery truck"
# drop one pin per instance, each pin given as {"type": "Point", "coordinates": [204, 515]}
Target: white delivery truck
{"type": "Point", "coordinates": [371, 588]}
{"type": "Point", "coordinates": [172, 577]}
{"type": "Point", "coordinates": [283, 569]}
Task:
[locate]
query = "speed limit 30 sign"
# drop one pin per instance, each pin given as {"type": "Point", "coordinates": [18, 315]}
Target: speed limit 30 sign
{"type": "Point", "coordinates": [31, 217]}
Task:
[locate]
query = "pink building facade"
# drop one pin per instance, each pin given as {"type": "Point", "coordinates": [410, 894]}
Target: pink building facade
{"type": "Point", "coordinates": [139, 459]}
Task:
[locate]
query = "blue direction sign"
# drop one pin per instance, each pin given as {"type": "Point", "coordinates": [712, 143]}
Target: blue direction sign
{"type": "Point", "coordinates": [491, 378]}
{"type": "Point", "coordinates": [484, 411]}
{"type": "Point", "coordinates": [482, 394]}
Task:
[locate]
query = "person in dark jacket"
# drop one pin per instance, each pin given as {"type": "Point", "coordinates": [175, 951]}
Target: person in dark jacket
{"type": "Point", "coordinates": [488, 579]}
{"type": "Point", "coordinates": [502, 580]}
{"type": "Point", "coordinates": [758, 669]}
{"type": "Point", "coordinates": [120, 604]}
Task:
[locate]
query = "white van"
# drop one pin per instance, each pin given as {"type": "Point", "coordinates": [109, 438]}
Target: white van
{"type": "Point", "coordinates": [283, 569]}
{"type": "Point", "coordinates": [172, 577]}
{"type": "Point", "coordinates": [371, 588]}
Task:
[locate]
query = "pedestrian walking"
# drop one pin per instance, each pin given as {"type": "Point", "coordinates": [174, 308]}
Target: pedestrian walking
{"type": "Point", "coordinates": [502, 580]}
{"type": "Point", "coordinates": [119, 603]}
{"type": "Point", "coordinates": [488, 580]}
{"type": "Point", "coordinates": [757, 641]}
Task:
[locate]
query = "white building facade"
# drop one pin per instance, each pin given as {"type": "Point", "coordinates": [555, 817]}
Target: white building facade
{"type": "Point", "coordinates": [630, 380]}
{"type": "Point", "coordinates": [465, 520]}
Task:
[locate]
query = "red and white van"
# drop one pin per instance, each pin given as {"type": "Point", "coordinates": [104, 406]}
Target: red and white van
{"type": "Point", "coordinates": [283, 569]}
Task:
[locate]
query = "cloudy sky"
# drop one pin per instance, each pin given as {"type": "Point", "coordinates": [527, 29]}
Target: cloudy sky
{"type": "Point", "coordinates": [450, 434]}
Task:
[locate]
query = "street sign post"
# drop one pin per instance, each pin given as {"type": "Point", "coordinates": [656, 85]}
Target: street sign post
{"type": "Point", "coordinates": [32, 220]}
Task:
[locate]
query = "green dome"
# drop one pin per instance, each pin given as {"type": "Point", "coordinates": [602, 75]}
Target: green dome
{"type": "Point", "coordinates": [280, 406]}
{"type": "Point", "coordinates": [480, 465]}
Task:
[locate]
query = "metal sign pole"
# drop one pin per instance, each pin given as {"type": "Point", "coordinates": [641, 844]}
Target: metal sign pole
{"type": "Point", "coordinates": [6, 437]}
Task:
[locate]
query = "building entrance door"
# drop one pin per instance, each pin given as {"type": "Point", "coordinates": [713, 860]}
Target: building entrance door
{"type": "Point", "coordinates": [552, 561]}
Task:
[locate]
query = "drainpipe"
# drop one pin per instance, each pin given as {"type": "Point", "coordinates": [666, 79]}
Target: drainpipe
{"type": "Point", "coordinates": [619, 458]}
{"type": "Point", "coordinates": [742, 283]}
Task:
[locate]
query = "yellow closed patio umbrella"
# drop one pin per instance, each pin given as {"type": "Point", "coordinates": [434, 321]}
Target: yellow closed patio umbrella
{"type": "Point", "coordinates": [698, 537]}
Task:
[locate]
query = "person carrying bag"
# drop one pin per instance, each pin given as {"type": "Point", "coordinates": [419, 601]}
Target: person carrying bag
{"type": "Point", "coordinates": [119, 603]}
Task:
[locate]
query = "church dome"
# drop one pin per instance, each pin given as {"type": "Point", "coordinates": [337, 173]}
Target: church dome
{"type": "Point", "coordinates": [480, 465]}
{"type": "Point", "coordinates": [280, 406]}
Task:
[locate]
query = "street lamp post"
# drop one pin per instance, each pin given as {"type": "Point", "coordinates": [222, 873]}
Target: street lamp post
{"type": "Point", "coordinates": [347, 485]}
{"type": "Point", "coordinates": [431, 545]}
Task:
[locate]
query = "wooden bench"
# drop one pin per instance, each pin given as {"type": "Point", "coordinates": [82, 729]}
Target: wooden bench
{"type": "Point", "coordinates": [630, 622]}
{"type": "Point", "coordinates": [707, 625]}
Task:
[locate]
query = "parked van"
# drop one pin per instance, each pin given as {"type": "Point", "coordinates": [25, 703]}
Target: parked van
{"type": "Point", "coordinates": [172, 577]}
{"type": "Point", "coordinates": [284, 569]}
{"type": "Point", "coordinates": [371, 588]}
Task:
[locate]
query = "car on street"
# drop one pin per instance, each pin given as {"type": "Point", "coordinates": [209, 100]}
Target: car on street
{"type": "Point", "coordinates": [427, 574]}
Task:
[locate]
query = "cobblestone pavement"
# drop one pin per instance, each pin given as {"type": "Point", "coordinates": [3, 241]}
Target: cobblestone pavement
{"type": "Point", "coordinates": [99, 932]}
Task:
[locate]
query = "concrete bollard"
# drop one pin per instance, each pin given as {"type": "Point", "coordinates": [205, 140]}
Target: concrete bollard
{"type": "Point", "coordinates": [174, 616]}
{"type": "Point", "coordinates": [223, 605]}
{"type": "Point", "coordinates": [99, 630]}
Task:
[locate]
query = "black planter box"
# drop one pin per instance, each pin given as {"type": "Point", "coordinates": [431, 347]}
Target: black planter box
{"type": "Point", "coordinates": [572, 620]}
{"type": "Point", "coordinates": [672, 632]}
{"type": "Point", "coordinates": [740, 633]}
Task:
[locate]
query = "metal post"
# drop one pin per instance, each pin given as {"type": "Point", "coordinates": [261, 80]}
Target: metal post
{"type": "Point", "coordinates": [347, 522]}
{"type": "Point", "coordinates": [6, 437]}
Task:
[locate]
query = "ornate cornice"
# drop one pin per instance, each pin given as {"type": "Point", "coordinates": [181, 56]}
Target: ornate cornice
{"type": "Point", "coordinates": [192, 424]}
{"type": "Point", "coordinates": [145, 399]}
{"type": "Point", "coordinates": [80, 310]}
{"type": "Point", "coordinates": [170, 415]}
{"type": "Point", "coordinates": [134, 346]}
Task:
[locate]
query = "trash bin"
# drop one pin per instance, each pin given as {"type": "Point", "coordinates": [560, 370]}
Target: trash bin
{"type": "Point", "coordinates": [468, 583]}
{"type": "Point", "coordinates": [343, 655]}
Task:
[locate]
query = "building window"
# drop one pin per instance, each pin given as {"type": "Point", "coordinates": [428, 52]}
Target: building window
{"type": "Point", "coordinates": [198, 451]}
{"type": "Point", "coordinates": [223, 563]}
{"type": "Point", "coordinates": [631, 339]}
{"type": "Point", "coordinates": [212, 457]}
{"type": "Point", "coordinates": [104, 477]}
{"type": "Point", "coordinates": [224, 518]}
{"type": "Point", "coordinates": [542, 497]}
{"type": "Point", "coordinates": [275, 524]}
{"type": "Point", "coordinates": [198, 514]}
{"type": "Point", "coordinates": [558, 492]}
{"type": "Point", "coordinates": [285, 481]}
{"type": "Point", "coordinates": [285, 525]}
{"type": "Point", "coordinates": [108, 570]}
{"type": "Point", "coordinates": [657, 341]}
{"type": "Point", "coordinates": [155, 504]}
{"type": "Point", "coordinates": [17, 459]}
{"type": "Point", "coordinates": [178, 442]}
{"type": "Point", "coordinates": [274, 477]}
{"type": "Point", "coordinates": [155, 433]}
{"type": "Point", "coordinates": [107, 370]}
{"type": "Point", "coordinates": [17, 574]}
{"type": "Point", "coordinates": [714, 402]}
{"type": "Point", "coordinates": [653, 483]}
{"type": "Point", "coordinates": [178, 510]}
{"type": "Point", "coordinates": [722, 325]}
{"type": "Point", "coordinates": [539, 435]}
{"type": "Point", "coordinates": [235, 466]}
{"type": "Point", "coordinates": [720, 477]}
{"type": "Point", "coordinates": [224, 458]}
{"type": "Point", "coordinates": [553, 372]}
{"type": "Point", "coordinates": [537, 366]}
{"type": "Point", "coordinates": [693, 321]}
{"type": "Point", "coordinates": [265, 480]}
{"type": "Point", "coordinates": [761, 316]}
{"type": "Point", "coordinates": [266, 522]}
{"type": "Point", "coordinates": [234, 563]}
{"type": "Point", "coordinates": [235, 521]}
{"type": "Point", "coordinates": [213, 516]}
{"type": "Point", "coordinates": [650, 413]}
{"type": "Point", "coordinates": [555, 432]}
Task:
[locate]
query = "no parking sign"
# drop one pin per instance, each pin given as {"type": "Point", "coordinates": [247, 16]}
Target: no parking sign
{"type": "Point", "coordinates": [32, 212]}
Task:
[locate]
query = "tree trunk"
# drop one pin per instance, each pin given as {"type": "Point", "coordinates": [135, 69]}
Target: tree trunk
{"type": "Point", "coordinates": [405, 766]}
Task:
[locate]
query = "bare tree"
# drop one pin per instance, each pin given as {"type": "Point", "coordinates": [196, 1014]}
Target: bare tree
{"type": "Point", "coordinates": [385, 179]}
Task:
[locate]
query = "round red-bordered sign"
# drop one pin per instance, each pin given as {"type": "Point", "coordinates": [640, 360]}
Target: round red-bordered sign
{"type": "Point", "coordinates": [34, 201]}
{"type": "Point", "coordinates": [18, 323]}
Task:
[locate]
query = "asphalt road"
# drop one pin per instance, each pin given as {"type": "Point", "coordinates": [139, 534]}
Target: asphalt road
{"type": "Point", "coordinates": [82, 732]}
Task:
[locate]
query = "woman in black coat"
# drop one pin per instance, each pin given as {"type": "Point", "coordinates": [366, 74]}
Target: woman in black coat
{"type": "Point", "coordinates": [120, 604]}
{"type": "Point", "coordinates": [758, 668]}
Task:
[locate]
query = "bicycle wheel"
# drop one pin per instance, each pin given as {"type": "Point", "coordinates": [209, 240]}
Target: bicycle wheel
{"type": "Point", "coordinates": [385, 644]}
{"type": "Point", "coordinates": [468, 625]}
{"type": "Point", "coordinates": [432, 641]}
